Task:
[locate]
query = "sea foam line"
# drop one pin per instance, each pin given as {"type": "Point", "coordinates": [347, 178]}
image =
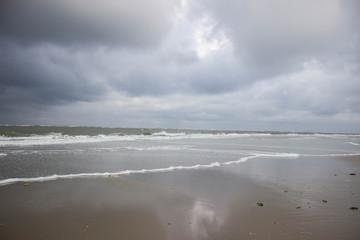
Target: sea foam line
{"type": "Point", "coordinates": [331, 155]}
{"type": "Point", "coordinates": [105, 174]}
{"type": "Point", "coordinates": [156, 170]}
{"type": "Point", "coordinates": [57, 138]}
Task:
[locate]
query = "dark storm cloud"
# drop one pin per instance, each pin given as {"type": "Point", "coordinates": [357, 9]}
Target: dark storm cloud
{"type": "Point", "coordinates": [38, 75]}
{"type": "Point", "coordinates": [48, 47]}
{"type": "Point", "coordinates": [109, 22]}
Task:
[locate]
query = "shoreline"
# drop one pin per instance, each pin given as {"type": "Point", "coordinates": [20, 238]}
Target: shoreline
{"type": "Point", "coordinates": [192, 204]}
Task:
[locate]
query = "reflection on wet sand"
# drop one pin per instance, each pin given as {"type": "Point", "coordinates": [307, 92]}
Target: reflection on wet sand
{"type": "Point", "coordinates": [205, 222]}
{"type": "Point", "coordinates": [200, 204]}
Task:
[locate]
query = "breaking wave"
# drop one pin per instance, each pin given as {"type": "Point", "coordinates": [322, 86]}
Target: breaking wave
{"type": "Point", "coordinates": [53, 138]}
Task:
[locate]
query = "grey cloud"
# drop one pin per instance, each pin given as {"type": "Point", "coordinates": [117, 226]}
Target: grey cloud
{"type": "Point", "coordinates": [276, 37]}
{"type": "Point", "coordinates": [51, 75]}
{"type": "Point", "coordinates": [220, 74]}
{"type": "Point", "coordinates": [34, 75]}
{"type": "Point", "coordinates": [49, 48]}
{"type": "Point", "coordinates": [316, 92]}
{"type": "Point", "coordinates": [180, 57]}
{"type": "Point", "coordinates": [108, 22]}
{"type": "Point", "coordinates": [154, 73]}
{"type": "Point", "coordinates": [124, 63]}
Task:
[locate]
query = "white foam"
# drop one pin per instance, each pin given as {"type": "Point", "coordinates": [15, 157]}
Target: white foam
{"type": "Point", "coordinates": [164, 133]}
{"type": "Point", "coordinates": [106, 174]}
{"type": "Point", "coordinates": [156, 170]}
{"type": "Point", "coordinates": [3, 154]}
{"type": "Point", "coordinates": [354, 143]}
{"type": "Point", "coordinates": [331, 155]}
{"type": "Point", "coordinates": [241, 160]}
{"type": "Point", "coordinates": [279, 155]}
{"type": "Point", "coordinates": [57, 138]}
{"type": "Point", "coordinates": [264, 155]}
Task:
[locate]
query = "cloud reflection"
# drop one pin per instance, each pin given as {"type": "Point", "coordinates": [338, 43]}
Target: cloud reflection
{"type": "Point", "coordinates": [204, 220]}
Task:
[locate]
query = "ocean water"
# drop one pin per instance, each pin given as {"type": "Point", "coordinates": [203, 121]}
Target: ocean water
{"type": "Point", "coordinates": [47, 153]}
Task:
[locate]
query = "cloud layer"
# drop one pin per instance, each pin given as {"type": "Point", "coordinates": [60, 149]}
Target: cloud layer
{"type": "Point", "coordinates": [242, 64]}
{"type": "Point", "coordinates": [131, 23]}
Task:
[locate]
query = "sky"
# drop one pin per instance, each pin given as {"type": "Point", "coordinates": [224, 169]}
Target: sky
{"type": "Point", "coordinates": [279, 65]}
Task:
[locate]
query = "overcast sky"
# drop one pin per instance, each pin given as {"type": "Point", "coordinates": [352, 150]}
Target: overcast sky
{"type": "Point", "coordinates": [285, 65]}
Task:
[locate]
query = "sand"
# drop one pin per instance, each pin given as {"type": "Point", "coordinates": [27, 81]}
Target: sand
{"type": "Point", "coordinates": [216, 203]}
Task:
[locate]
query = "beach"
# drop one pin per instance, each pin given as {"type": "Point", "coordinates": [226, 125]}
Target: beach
{"type": "Point", "coordinates": [202, 187]}
{"type": "Point", "coordinates": [200, 204]}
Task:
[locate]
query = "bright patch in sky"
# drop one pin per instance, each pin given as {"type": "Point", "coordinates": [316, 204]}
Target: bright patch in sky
{"type": "Point", "coordinates": [207, 40]}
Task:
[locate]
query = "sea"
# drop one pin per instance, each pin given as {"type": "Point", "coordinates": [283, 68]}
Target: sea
{"type": "Point", "coordinates": [49, 153]}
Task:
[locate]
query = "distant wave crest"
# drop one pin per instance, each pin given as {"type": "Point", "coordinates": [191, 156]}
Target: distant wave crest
{"type": "Point", "coordinates": [58, 138]}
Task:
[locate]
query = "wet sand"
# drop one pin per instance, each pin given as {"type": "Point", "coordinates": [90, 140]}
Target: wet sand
{"type": "Point", "coordinates": [194, 204]}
